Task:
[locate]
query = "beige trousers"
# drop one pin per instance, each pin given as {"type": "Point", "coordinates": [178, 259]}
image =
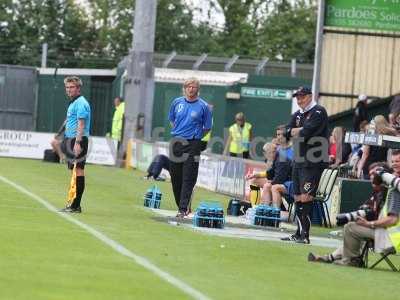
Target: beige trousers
{"type": "Point", "coordinates": [354, 236]}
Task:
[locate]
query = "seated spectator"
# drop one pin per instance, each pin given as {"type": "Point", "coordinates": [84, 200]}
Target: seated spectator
{"type": "Point", "coordinates": [364, 126]}
{"type": "Point", "coordinates": [396, 122]}
{"type": "Point", "coordinates": [371, 154]}
{"type": "Point", "coordinates": [279, 191]}
{"type": "Point", "coordinates": [342, 149]}
{"type": "Point", "coordinates": [279, 173]}
{"type": "Point", "coordinates": [269, 150]}
{"type": "Point", "coordinates": [356, 152]}
{"type": "Point", "coordinates": [375, 203]}
{"type": "Point", "coordinates": [382, 126]}
{"type": "Point", "coordinates": [154, 170]}
{"type": "Point", "coordinates": [332, 146]}
{"type": "Point", "coordinates": [394, 108]}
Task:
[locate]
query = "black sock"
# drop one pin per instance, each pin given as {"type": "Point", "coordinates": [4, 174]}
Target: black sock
{"type": "Point", "coordinates": [298, 213]}
{"type": "Point", "coordinates": [80, 187]}
{"type": "Point", "coordinates": [305, 219]}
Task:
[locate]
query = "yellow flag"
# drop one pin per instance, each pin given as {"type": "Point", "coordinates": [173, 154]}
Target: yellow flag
{"type": "Point", "coordinates": [72, 187]}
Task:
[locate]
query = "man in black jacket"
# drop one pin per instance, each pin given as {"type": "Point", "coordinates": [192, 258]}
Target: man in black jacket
{"type": "Point", "coordinates": [309, 129]}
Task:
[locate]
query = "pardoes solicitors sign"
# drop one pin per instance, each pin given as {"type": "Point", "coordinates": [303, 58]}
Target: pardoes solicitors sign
{"type": "Point", "coordinates": [363, 14]}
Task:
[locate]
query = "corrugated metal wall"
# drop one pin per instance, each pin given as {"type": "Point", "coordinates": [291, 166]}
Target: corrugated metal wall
{"type": "Point", "coordinates": [18, 89]}
{"type": "Point", "coordinates": [354, 64]}
{"type": "Point", "coordinates": [102, 105]}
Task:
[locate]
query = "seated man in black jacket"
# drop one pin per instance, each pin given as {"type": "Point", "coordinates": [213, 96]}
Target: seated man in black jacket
{"type": "Point", "coordinates": [278, 174]}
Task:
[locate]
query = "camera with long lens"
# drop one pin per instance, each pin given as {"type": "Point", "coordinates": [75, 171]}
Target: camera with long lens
{"type": "Point", "coordinates": [364, 212]}
{"type": "Point", "coordinates": [389, 179]}
{"type": "Point", "coordinates": [382, 175]}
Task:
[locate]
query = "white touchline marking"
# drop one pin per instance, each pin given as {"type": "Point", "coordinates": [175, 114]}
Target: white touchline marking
{"type": "Point", "coordinates": [140, 260]}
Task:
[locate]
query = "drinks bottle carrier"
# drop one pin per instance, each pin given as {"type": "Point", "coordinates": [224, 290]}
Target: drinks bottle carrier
{"type": "Point", "coordinates": [267, 216]}
{"type": "Point", "coordinates": [209, 214]}
{"type": "Point", "coordinates": [152, 198]}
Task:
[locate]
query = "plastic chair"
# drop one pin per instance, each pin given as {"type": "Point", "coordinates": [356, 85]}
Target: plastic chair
{"type": "Point", "coordinates": [323, 183]}
{"type": "Point", "coordinates": [323, 193]}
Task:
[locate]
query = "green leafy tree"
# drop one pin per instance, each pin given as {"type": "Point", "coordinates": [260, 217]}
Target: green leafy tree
{"type": "Point", "coordinates": [114, 23]}
{"type": "Point", "coordinates": [18, 32]}
{"type": "Point", "coordinates": [289, 31]}
{"type": "Point", "coordinates": [101, 34]}
{"type": "Point", "coordinates": [60, 24]}
{"type": "Point", "coordinates": [174, 27]}
{"type": "Point", "coordinates": [242, 21]}
{"type": "Point", "coordinates": [272, 28]}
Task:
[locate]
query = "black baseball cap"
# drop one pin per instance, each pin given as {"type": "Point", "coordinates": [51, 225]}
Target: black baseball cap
{"type": "Point", "coordinates": [302, 91]}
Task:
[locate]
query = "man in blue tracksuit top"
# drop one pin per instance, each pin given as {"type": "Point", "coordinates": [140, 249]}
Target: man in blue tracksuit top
{"type": "Point", "coordinates": [191, 119]}
{"type": "Point", "coordinates": [76, 137]}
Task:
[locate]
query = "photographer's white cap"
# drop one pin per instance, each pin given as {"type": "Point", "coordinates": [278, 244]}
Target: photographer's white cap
{"type": "Point", "coordinates": [362, 97]}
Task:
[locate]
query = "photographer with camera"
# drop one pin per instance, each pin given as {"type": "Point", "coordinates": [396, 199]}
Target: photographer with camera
{"type": "Point", "coordinates": [384, 231]}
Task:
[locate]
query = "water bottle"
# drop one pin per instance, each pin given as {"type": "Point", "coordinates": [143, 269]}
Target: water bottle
{"type": "Point", "coordinates": [263, 212]}
{"type": "Point", "coordinates": [157, 200]}
{"type": "Point", "coordinates": [250, 215]}
{"type": "Point", "coordinates": [147, 198]}
{"type": "Point", "coordinates": [219, 214]}
{"type": "Point", "coordinates": [211, 216]}
{"type": "Point", "coordinates": [259, 212]}
{"type": "Point", "coordinates": [276, 213]}
{"type": "Point", "coordinates": [202, 213]}
{"type": "Point", "coordinates": [235, 207]}
{"type": "Point", "coordinates": [270, 216]}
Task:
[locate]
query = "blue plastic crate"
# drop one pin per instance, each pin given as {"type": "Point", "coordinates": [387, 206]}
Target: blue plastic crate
{"type": "Point", "coordinates": [267, 216]}
{"type": "Point", "coordinates": [152, 198]}
{"type": "Point", "coordinates": [209, 214]}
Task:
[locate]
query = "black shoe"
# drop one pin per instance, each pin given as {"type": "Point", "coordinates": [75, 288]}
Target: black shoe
{"type": "Point", "coordinates": [159, 179]}
{"type": "Point", "coordinates": [65, 209]}
{"type": "Point", "coordinates": [311, 257]}
{"type": "Point", "coordinates": [292, 238]}
{"type": "Point", "coordinates": [324, 258]}
{"type": "Point", "coordinates": [181, 215]}
{"type": "Point", "coordinates": [301, 240]}
{"type": "Point", "coordinates": [69, 209]}
{"type": "Point", "coordinates": [77, 210]}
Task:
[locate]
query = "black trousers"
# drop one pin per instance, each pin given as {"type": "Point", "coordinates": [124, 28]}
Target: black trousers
{"type": "Point", "coordinates": [184, 168]}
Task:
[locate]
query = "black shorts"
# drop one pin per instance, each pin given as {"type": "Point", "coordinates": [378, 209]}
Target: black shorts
{"type": "Point", "coordinates": [67, 147]}
{"type": "Point", "coordinates": [306, 180]}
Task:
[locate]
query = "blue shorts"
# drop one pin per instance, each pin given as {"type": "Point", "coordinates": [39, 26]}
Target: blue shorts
{"type": "Point", "coordinates": [289, 191]}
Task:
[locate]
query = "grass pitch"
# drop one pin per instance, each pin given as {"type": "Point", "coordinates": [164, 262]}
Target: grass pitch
{"type": "Point", "coordinates": [43, 256]}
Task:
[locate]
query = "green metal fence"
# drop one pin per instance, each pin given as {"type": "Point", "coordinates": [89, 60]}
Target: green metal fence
{"type": "Point", "coordinates": [53, 103]}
